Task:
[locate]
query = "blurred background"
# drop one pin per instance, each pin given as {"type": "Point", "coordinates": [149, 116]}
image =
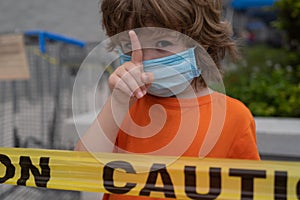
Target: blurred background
{"type": "Point", "coordinates": [43, 43]}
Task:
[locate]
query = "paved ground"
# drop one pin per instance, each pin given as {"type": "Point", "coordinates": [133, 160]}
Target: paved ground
{"type": "Point", "coordinates": [8, 192]}
{"type": "Point", "coordinates": [278, 138]}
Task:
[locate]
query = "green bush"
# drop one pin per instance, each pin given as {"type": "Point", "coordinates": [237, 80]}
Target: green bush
{"type": "Point", "coordinates": [266, 82]}
{"type": "Point", "coordinates": [288, 21]}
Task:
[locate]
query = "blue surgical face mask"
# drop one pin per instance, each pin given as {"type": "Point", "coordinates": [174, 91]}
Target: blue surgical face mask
{"type": "Point", "coordinates": [172, 74]}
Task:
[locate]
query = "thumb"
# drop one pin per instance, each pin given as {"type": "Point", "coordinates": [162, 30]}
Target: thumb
{"type": "Point", "coordinates": [147, 77]}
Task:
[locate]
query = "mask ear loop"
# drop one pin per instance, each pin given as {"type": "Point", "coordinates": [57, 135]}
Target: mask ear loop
{"type": "Point", "coordinates": [120, 52]}
{"type": "Point", "coordinates": [195, 70]}
{"type": "Point", "coordinates": [123, 57]}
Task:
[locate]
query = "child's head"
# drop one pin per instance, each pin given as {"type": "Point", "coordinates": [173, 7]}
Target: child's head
{"type": "Point", "coordinates": [201, 20]}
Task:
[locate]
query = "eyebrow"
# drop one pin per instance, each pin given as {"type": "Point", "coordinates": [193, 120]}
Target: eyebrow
{"type": "Point", "coordinates": [172, 37]}
{"type": "Point", "coordinates": [154, 35]}
{"type": "Point", "coordinates": [160, 34]}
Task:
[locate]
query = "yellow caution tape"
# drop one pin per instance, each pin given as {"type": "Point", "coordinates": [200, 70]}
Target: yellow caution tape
{"type": "Point", "coordinates": [155, 176]}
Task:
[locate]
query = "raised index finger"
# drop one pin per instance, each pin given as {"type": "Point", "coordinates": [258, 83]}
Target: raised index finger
{"type": "Point", "coordinates": [137, 53]}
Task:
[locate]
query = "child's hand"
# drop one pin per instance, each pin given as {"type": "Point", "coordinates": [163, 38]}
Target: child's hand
{"type": "Point", "coordinates": [130, 78]}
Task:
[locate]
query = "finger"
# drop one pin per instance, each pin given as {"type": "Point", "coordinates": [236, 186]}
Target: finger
{"type": "Point", "coordinates": [144, 89]}
{"type": "Point", "coordinates": [147, 77]}
{"type": "Point", "coordinates": [137, 53]}
{"type": "Point", "coordinates": [135, 72]}
{"type": "Point", "coordinates": [120, 85]}
{"type": "Point", "coordinates": [137, 58]}
{"type": "Point", "coordinates": [129, 79]}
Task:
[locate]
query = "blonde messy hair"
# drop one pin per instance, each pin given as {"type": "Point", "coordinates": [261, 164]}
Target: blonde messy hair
{"type": "Point", "coordinates": [201, 20]}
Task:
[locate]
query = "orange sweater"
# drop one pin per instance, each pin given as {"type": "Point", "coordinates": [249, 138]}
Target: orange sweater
{"type": "Point", "coordinates": [210, 126]}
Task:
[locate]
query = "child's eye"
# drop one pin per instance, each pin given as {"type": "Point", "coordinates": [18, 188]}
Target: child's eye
{"type": "Point", "coordinates": [163, 43]}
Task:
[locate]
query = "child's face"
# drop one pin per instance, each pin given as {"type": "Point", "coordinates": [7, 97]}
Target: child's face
{"type": "Point", "coordinates": [154, 43]}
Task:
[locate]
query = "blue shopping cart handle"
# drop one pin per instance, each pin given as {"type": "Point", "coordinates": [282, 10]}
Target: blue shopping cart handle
{"type": "Point", "coordinates": [43, 35]}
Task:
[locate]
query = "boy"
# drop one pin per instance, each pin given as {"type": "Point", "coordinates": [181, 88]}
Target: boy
{"type": "Point", "coordinates": [163, 81]}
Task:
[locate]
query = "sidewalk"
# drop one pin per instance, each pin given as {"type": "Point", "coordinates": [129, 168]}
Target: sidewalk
{"type": "Point", "coordinates": [278, 138]}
